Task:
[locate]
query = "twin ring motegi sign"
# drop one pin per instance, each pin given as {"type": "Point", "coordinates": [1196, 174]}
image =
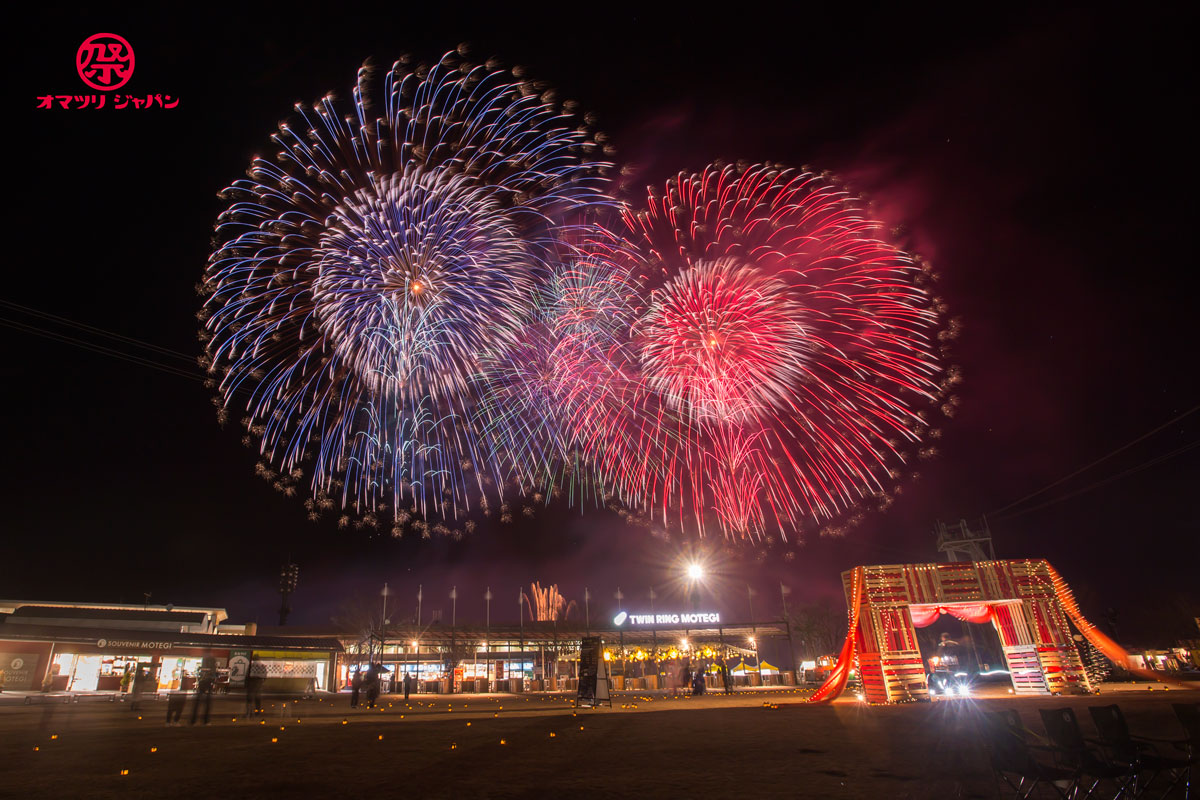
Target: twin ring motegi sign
{"type": "Point", "coordinates": [685, 618]}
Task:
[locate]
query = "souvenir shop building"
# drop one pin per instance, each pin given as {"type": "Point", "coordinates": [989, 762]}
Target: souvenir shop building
{"type": "Point", "coordinates": [75, 647]}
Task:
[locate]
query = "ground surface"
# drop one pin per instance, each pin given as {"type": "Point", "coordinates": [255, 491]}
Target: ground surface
{"type": "Point", "coordinates": [525, 746]}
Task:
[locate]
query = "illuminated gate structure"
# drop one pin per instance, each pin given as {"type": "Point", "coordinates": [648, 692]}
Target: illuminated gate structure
{"type": "Point", "coordinates": [1026, 601]}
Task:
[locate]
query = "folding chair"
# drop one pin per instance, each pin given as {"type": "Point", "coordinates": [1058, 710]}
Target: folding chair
{"type": "Point", "coordinates": [1012, 758]}
{"type": "Point", "coordinates": [1138, 751]}
{"type": "Point", "coordinates": [1074, 753]}
{"type": "Point", "coordinates": [1189, 718]}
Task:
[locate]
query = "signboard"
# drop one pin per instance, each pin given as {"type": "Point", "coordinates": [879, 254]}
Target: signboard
{"type": "Point", "coordinates": [673, 618]}
{"type": "Point", "coordinates": [131, 645]}
{"type": "Point", "coordinates": [18, 669]}
{"type": "Point", "coordinates": [593, 674]}
{"type": "Point", "coordinates": [239, 667]}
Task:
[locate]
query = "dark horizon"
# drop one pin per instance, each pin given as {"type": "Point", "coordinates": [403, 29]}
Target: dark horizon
{"type": "Point", "coordinates": [1043, 162]}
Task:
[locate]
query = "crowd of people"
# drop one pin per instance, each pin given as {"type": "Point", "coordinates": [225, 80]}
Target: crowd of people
{"type": "Point", "coordinates": [367, 683]}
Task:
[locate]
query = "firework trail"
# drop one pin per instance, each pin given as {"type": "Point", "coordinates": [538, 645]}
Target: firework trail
{"type": "Point", "coordinates": [785, 354]}
{"type": "Point", "coordinates": [548, 604]}
{"type": "Point", "coordinates": [366, 280]}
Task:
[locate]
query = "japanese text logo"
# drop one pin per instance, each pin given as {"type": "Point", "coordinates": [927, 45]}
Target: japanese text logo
{"type": "Point", "coordinates": [105, 61]}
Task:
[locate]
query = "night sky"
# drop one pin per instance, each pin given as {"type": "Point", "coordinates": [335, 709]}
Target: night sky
{"type": "Point", "coordinates": [1044, 162]}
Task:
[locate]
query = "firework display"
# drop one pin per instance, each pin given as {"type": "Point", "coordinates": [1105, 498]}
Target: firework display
{"type": "Point", "coordinates": [433, 300]}
{"type": "Point", "coordinates": [789, 349]}
{"type": "Point", "coordinates": [364, 278]}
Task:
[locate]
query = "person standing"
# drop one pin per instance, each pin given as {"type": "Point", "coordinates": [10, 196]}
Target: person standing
{"type": "Point", "coordinates": [175, 704]}
{"type": "Point", "coordinates": [371, 686]}
{"type": "Point", "coordinates": [140, 679]}
{"type": "Point", "coordinates": [726, 679]}
{"type": "Point", "coordinates": [407, 683]}
{"type": "Point", "coordinates": [356, 683]}
{"type": "Point", "coordinates": [255, 676]}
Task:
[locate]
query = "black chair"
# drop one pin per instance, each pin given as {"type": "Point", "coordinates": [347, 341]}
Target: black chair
{"type": "Point", "coordinates": [1013, 761]}
{"type": "Point", "coordinates": [1189, 719]}
{"type": "Point", "coordinates": [1088, 763]}
{"type": "Point", "coordinates": [1139, 752]}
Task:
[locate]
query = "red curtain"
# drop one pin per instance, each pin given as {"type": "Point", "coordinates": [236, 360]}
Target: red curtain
{"type": "Point", "coordinates": [836, 682]}
{"type": "Point", "coordinates": [1113, 651]}
{"type": "Point", "coordinates": [923, 616]}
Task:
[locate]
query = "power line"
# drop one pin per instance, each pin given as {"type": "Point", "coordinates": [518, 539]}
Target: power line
{"type": "Point", "coordinates": [1100, 460]}
{"type": "Point", "coordinates": [1105, 481]}
{"type": "Point", "coordinates": [99, 348]}
{"type": "Point", "coordinates": [92, 329]}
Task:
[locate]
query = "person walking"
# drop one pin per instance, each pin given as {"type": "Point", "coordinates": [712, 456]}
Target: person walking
{"type": "Point", "coordinates": [204, 692]}
{"type": "Point", "coordinates": [175, 704]}
{"type": "Point", "coordinates": [408, 681]}
{"type": "Point", "coordinates": [356, 683]}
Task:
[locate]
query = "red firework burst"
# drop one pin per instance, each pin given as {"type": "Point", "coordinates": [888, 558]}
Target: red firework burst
{"type": "Point", "coordinates": [785, 355]}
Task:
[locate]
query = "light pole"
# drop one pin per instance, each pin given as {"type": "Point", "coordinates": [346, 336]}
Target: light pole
{"type": "Point", "coordinates": [453, 634]}
{"type": "Point", "coordinates": [383, 621]}
{"type": "Point", "coordinates": [420, 592]}
{"type": "Point", "coordinates": [587, 614]}
{"type": "Point", "coordinates": [695, 575]}
{"type": "Point", "coordinates": [653, 635]}
{"type": "Point", "coordinates": [487, 640]}
{"type": "Point", "coordinates": [289, 575]}
{"type": "Point", "coordinates": [621, 597]}
{"type": "Point", "coordinates": [521, 644]}
{"type": "Point", "coordinates": [784, 591]}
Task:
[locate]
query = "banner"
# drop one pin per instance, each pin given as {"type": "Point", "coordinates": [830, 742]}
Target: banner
{"type": "Point", "coordinates": [19, 670]}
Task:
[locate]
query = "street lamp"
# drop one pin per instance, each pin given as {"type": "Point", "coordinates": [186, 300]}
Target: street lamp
{"type": "Point", "coordinates": [695, 571]}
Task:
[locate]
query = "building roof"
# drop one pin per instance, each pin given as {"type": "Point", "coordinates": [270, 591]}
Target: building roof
{"type": "Point", "coordinates": [39, 613]}
{"type": "Point", "coordinates": [92, 636]}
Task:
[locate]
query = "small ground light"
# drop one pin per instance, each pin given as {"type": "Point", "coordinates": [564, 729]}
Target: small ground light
{"type": "Point", "coordinates": [468, 724]}
{"type": "Point", "coordinates": [454, 745]}
{"type": "Point", "coordinates": [153, 749]}
{"type": "Point", "coordinates": [274, 739]}
{"type": "Point", "coordinates": [381, 737]}
{"type": "Point", "coordinates": [552, 734]}
{"type": "Point", "coordinates": [124, 772]}
{"type": "Point", "coordinates": [36, 748]}
{"type": "Point", "coordinates": [503, 742]}
{"type": "Point", "coordinates": [343, 722]}
{"type": "Point", "coordinates": [55, 735]}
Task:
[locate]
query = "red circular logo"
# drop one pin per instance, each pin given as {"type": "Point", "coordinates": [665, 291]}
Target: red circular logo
{"type": "Point", "coordinates": [104, 61]}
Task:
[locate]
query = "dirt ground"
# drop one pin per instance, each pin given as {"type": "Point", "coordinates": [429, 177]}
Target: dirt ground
{"type": "Point", "coordinates": [511, 746]}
